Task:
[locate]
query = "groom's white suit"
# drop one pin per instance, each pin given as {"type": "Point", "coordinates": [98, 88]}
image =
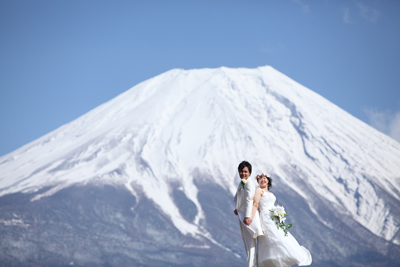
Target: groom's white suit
{"type": "Point", "coordinates": [244, 204]}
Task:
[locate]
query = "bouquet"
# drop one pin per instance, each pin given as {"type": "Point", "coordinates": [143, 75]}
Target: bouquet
{"type": "Point", "coordinates": [278, 215]}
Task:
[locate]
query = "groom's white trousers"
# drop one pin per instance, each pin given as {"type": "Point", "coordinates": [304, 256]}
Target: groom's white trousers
{"type": "Point", "coordinates": [249, 244]}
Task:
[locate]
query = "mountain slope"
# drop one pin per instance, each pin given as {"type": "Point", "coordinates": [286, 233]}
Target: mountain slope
{"type": "Point", "coordinates": [174, 142]}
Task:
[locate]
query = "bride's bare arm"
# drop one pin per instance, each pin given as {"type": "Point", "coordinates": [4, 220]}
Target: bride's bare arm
{"type": "Point", "coordinates": [256, 201]}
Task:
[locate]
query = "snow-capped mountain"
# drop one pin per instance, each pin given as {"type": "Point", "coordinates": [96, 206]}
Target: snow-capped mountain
{"type": "Point", "coordinates": [148, 177]}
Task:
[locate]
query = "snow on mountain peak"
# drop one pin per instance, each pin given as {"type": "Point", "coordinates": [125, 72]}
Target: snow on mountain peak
{"type": "Point", "coordinates": [165, 129]}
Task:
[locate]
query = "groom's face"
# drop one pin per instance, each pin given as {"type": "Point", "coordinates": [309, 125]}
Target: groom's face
{"type": "Point", "coordinates": [244, 173]}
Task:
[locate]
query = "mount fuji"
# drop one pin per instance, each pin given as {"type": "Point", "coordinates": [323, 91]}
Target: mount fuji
{"type": "Point", "coordinates": [148, 178]}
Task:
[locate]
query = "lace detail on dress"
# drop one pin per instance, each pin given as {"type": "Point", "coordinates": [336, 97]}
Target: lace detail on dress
{"type": "Point", "coordinates": [267, 201]}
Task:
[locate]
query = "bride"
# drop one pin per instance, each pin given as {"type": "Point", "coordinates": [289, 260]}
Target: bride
{"type": "Point", "coordinates": [274, 248]}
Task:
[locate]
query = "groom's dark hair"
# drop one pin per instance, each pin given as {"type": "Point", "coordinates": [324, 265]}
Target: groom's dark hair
{"type": "Point", "coordinates": [244, 164]}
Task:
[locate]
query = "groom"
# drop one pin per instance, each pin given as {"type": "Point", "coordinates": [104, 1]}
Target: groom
{"type": "Point", "coordinates": [250, 228]}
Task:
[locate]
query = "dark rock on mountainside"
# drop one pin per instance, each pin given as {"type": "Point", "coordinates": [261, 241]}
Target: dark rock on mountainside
{"type": "Point", "coordinates": [103, 226]}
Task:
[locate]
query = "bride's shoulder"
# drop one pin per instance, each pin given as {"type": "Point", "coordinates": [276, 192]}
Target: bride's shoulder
{"type": "Point", "coordinates": [259, 191]}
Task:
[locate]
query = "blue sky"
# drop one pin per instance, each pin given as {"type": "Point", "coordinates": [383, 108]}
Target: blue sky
{"type": "Point", "coordinates": [60, 59]}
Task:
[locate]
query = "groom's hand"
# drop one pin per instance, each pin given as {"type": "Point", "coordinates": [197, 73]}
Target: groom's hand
{"type": "Point", "coordinates": [247, 221]}
{"type": "Point", "coordinates": [235, 211]}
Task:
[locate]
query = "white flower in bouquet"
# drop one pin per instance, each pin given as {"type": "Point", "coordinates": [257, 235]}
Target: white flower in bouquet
{"type": "Point", "coordinates": [278, 215]}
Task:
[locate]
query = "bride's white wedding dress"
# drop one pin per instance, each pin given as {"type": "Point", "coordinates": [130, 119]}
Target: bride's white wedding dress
{"type": "Point", "coordinates": [274, 248]}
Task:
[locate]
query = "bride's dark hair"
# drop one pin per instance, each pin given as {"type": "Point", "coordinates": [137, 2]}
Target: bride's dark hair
{"type": "Point", "coordinates": [269, 182]}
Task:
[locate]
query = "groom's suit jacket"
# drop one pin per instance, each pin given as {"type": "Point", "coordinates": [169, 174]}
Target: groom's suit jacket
{"type": "Point", "coordinates": [244, 205]}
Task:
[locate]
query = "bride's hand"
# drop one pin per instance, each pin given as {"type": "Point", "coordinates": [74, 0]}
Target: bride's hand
{"type": "Point", "coordinates": [247, 221]}
{"type": "Point", "coordinates": [235, 211]}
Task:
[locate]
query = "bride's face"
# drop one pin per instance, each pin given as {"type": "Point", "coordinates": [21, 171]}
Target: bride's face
{"type": "Point", "coordinates": [263, 182]}
{"type": "Point", "coordinates": [244, 173]}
